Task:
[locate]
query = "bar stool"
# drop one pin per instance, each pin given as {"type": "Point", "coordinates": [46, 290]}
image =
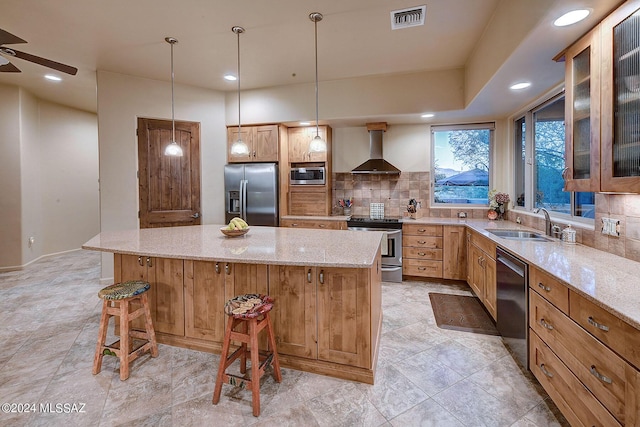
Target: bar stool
{"type": "Point", "coordinates": [116, 301]}
{"type": "Point", "coordinates": [250, 311]}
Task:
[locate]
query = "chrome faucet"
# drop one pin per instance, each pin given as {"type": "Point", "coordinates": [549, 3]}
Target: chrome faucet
{"type": "Point", "coordinates": [547, 220]}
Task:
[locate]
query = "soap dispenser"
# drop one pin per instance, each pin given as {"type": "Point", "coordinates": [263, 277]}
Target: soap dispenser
{"type": "Point", "coordinates": [569, 234]}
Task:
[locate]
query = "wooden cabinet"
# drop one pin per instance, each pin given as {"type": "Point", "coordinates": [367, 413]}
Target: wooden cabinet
{"type": "Point", "coordinates": [422, 250]}
{"type": "Point", "coordinates": [314, 223]}
{"type": "Point", "coordinates": [481, 270]}
{"type": "Point", "coordinates": [454, 253]}
{"type": "Point", "coordinates": [205, 283]}
{"type": "Point", "coordinates": [583, 355]}
{"type": "Point", "coordinates": [263, 143]}
{"type": "Point", "coordinates": [310, 200]}
{"type": "Point", "coordinates": [166, 298]}
{"type": "Point", "coordinates": [582, 114]}
{"type": "Point", "coordinates": [602, 75]}
{"type": "Point", "coordinates": [299, 141]}
{"type": "Point", "coordinates": [325, 313]}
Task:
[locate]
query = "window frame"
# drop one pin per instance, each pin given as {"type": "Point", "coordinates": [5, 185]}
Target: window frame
{"type": "Point", "coordinates": [491, 127]}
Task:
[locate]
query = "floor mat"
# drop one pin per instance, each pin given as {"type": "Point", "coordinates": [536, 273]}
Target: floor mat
{"type": "Point", "coordinates": [461, 313]}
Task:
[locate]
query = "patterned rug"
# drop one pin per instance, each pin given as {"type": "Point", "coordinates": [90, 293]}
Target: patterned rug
{"type": "Point", "coordinates": [461, 313]}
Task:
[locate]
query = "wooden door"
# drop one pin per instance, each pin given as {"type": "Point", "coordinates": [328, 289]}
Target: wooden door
{"type": "Point", "coordinates": [169, 187]}
{"type": "Point", "coordinates": [204, 314]}
{"type": "Point", "coordinates": [294, 311]}
{"type": "Point", "coordinates": [265, 143]}
{"type": "Point", "coordinates": [344, 316]}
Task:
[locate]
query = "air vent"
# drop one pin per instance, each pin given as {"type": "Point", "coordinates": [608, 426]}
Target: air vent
{"type": "Point", "coordinates": [405, 18]}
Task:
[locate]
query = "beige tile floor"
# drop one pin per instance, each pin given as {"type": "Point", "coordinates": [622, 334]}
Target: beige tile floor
{"type": "Point", "coordinates": [427, 376]}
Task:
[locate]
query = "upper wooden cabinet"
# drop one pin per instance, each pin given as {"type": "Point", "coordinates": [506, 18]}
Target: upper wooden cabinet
{"type": "Point", "coordinates": [263, 143]}
{"type": "Point", "coordinates": [603, 106]}
{"type": "Point", "coordinates": [299, 141]}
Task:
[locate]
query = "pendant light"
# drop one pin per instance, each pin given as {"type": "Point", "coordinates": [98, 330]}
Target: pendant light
{"type": "Point", "coordinates": [318, 145]}
{"type": "Point", "coordinates": [173, 149]}
{"type": "Point", "coordinates": [239, 147]}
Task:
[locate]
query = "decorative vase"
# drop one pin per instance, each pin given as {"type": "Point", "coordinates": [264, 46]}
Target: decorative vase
{"type": "Point", "coordinates": [492, 214]}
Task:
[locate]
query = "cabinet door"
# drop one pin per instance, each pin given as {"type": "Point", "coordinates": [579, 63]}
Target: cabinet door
{"type": "Point", "coordinates": [294, 311]}
{"type": "Point", "coordinates": [477, 275]}
{"type": "Point", "coordinates": [298, 145]}
{"type": "Point", "coordinates": [308, 201]}
{"type": "Point", "coordinates": [311, 133]}
{"type": "Point", "coordinates": [621, 100]}
{"type": "Point", "coordinates": [454, 259]}
{"type": "Point", "coordinates": [582, 111]}
{"type": "Point", "coordinates": [265, 144]}
{"type": "Point", "coordinates": [166, 295]}
{"type": "Point", "coordinates": [344, 312]}
{"type": "Point", "coordinates": [204, 300]}
{"type": "Point", "coordinates": [247, 137]}
{"type": "Point", "coordinates": [490, 286]}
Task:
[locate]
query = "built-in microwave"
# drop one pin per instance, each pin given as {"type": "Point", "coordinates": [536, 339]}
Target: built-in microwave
{"type": "Point", "coordinates": [314, 175]}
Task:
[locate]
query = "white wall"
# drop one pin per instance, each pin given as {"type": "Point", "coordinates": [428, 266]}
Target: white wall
{"type": "Point", "coordinates": [10, 199]}
{"type": "Point", "coordinates": [121, 100]}
{"type": "Point", "coordinates": [69, 177]}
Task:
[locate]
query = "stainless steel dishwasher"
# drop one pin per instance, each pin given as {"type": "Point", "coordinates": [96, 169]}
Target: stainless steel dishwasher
{"type": "Point", "coordinates": [513, 304]}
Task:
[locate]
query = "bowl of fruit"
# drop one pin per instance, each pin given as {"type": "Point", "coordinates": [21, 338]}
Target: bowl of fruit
{"type": "Point", "coordinates": [237, 227]}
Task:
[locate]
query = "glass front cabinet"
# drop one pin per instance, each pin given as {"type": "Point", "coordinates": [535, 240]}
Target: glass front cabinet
{"type": "Point", "coordinates": [603, 105]}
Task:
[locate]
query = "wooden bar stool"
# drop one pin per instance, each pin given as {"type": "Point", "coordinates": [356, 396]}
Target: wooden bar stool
{"type": "Point", "coordinates": [116, 300]}
{"type": "Point", "coordinates": [251, 311]}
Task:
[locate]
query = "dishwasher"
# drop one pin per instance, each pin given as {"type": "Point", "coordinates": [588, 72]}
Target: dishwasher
{"type": "Point", "coordinates": [513, 304]}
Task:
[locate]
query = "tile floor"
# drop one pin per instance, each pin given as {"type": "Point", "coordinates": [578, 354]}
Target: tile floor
{"type": "Point", "coordinates": [427, 376]}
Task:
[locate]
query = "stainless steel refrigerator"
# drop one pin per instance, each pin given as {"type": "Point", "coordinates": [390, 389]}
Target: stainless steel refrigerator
{"type": "Point", "coordinates": [251, 192]}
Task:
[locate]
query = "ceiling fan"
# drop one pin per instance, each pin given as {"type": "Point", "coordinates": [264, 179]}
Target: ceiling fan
{"type": "Point", "coordinates": [8, 67]}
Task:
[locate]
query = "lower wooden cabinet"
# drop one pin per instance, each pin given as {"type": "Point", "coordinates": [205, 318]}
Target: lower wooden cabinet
{"type": "Point", "coordinates": [481, 270]}
{"type": "Point", "coordinates": [454, 254]}
{"type": "Point", "coordinates": [314, 223]}
{"type": "Point", "coordinates": [204, 298]}
{"type": "Point", "coordinates": [422, 250]}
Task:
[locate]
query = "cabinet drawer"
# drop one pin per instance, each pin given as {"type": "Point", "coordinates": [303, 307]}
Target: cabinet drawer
{"type": "Point", "coordinates": [606, 374]}
{"type": "Point", "coordinates": [423, 268]}
{"type": "Point", "coordinates": [550, 288]}
{"type": "Point", "coordinates": [575, 401]}
{"type": "Point", "coordinates": [421, 253]}
{"type": "Point", "coordinates": [422, 229]}
{"type": "Point", "coordinates": [487, 246]}
{"type": "Point", "coordinates": [422, 241]}
{"type": "Point", "coordinates": [329, 225]}
{"type": "Point", "coordinates": [621, 337]}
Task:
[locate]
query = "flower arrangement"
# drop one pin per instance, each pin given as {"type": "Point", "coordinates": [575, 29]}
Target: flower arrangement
{"type": "Point", "coordinates": [345, 203]}
{"type": "Point", "coordinates": [498, 203]}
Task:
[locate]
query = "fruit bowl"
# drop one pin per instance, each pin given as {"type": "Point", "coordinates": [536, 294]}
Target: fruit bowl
{"type": "Point", "coordinates": [234, 233]}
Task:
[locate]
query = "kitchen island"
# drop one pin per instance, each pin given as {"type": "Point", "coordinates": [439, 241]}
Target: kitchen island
{"type": "Point", "coordinates": [326, 283]}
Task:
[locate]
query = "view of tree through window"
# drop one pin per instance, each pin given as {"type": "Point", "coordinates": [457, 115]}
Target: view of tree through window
{"type": "Point", "coordinates": [461, 163]}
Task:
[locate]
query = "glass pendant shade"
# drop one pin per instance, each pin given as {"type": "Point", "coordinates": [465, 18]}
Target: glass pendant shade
{"type": "Point", "coordinates": [173, 149]}
{"type": "Point", "coordinates": [317, 145]}
{"type": "Point", "coordinates": [239, 148]}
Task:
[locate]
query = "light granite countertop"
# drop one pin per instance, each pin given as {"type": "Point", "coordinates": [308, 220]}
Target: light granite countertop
{"type": "Point", "coordinates": [261, 245]}
{"type": "Point", "coordinates": [610, 281]}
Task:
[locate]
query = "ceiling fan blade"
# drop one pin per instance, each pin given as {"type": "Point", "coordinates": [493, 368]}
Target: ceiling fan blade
{"type": "Point", "coordinates": [46, 62]}
{"type": "Point", "coordinates": [9, 68]}
{"type": "Point", "coordinates": [8, 38]}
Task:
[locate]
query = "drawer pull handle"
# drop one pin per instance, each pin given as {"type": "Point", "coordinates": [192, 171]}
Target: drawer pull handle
{"type": "Point", "coordinates": [543, 287]}
{"type": "Point", "coordinates": [544, 371]}
{"type": "Point", "coordinates": [598, 325]}
{"type": "Point", "coordinates": [227, 268]}
{"type": "Point", "coordinates": [421, 230]}
{"type": "Point", "coordinates": [140, 262]}
{"type": "Point", "coordinates": [149, 262]}
{"type": "Point", "coordinates": [599, 376]}
{"type": "Point", "coordinates": [422, 268]}
{"type": "Point", "coordinates": [294, 224]}
{"type": "Point", "coordinates": [217, 268]}
{"type": "Point", "coordinates": [546, 325]}
{"type": "Point", "coordinates": [322, 225]}
{"type": "Point", "coordinates": [322, 277]}
{"type": "Point", "coordinates": [421, 253]}
{"type": "Point", "coordinates": [422, 242]}
{"type": "Point", "coordinates": [309, 276]}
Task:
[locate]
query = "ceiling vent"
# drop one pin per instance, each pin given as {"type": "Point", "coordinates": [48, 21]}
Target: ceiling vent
{"type": "Point", "coordinates": [405, 18]}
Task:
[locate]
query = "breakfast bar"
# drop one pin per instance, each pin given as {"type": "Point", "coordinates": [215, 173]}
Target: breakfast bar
{"type": "Point", "coordinates": [326, 285]}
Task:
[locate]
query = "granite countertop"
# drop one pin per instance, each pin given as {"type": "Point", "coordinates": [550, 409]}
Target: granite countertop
{"type": "Point", "coordinates": [608, 280]}
{"type": "Point", "coordinates": [261, 245]}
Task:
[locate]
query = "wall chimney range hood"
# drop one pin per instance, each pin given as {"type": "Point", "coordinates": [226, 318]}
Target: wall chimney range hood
{"type": "Point", "coordinates": [376, 164]}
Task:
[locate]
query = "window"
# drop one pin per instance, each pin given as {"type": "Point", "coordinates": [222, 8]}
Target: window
{"type": "Point", "coordinates": [461, 163]}
{"type": "Point", "coordinates": [544, 127]}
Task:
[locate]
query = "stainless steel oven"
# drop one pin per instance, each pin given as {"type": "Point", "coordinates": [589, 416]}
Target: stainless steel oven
{"type": "Point", "coordinates": [391, 243]}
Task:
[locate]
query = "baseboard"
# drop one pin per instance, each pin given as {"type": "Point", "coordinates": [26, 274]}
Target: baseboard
{"type": "Point", "coordinates": [41, 257]}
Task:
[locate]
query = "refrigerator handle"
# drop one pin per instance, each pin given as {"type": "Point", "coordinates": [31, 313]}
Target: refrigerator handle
{"type": "Point", "coordinates": [243, 199]}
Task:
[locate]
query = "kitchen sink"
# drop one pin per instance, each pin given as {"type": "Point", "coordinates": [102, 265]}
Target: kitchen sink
{"type": "Point", "coordinates": [519, 235]}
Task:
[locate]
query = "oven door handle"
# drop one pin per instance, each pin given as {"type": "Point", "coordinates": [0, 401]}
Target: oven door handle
{"type": "Point", "coordinates": [389, 233]}
{"type": "Point", "coordinates": [391, 268]}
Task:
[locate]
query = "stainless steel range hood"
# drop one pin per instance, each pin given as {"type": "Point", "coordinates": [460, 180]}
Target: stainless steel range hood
{"type": "Point", "coordinates": [376, 164]}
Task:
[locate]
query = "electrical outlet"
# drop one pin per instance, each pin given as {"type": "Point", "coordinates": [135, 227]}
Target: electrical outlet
{"type": "Point", "coordinates": [462, 214]}
{"type": "Point", "coordinates": [611, 227]}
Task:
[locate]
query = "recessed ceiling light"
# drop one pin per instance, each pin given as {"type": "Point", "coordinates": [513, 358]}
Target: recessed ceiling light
{"type": "Point", "coordinates": [518, 86]}
{"type": "Point", "coordinates": [571, 17]}
{"type": "Point", "coordinates": [230, 77]}
{"type": "Point", "coordinates": [52, 78]}
{"type": "Point", "coordinates": [427, 115]}
{"type": "Point", "coordinates": [305, 123]}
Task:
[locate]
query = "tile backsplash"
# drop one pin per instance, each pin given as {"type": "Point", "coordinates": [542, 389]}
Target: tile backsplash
{"type": "Point", "coordinates": [396, 190]}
